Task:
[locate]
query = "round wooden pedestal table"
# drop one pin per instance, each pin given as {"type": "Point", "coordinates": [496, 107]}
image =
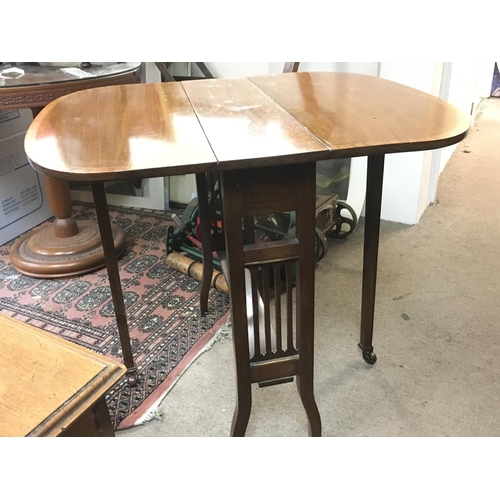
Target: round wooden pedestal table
{"type": "Point", "coordinates": [65, 247]}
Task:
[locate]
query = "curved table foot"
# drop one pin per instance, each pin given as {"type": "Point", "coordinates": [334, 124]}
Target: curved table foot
{"type": "Point", "coordinates": [42, 254]}
{"type": "Point", "coordinates": [241, 414]}
{"type": "Point", "coordinates": [310, 406]}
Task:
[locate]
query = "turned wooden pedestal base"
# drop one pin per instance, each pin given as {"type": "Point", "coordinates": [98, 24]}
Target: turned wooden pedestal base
{"type": "Point", "coordinates": [42, 254]}
{"type": "Point", "coordinates": [65, 248]}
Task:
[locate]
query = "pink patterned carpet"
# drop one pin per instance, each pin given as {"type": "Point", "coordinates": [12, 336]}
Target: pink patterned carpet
{"type": "Point", "coordinates": [166, 328]}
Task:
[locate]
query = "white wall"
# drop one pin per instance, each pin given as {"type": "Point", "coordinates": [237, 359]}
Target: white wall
{"type": "Point", "coordinates": [236, 69]}
{"type": "Point", "coordinates": [462, 84]}
{"type": "Point", "coordinates": [469, 82]}
{"type": "Point", "coordinates": [407, 173]}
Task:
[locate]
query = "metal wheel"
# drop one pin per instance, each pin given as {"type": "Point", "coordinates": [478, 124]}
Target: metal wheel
{"type": "Point", "coordinates": [321, 245]}
{"type": "Point", "coordinates": [275, 225]}
{"type": "Point", "coordinates": [344, 226]}
{"type": "Point", "coordinates": [169, 240]}
{"type": "Point", "coordinates": [320, 242]}
{"type": "Point", "coordinates": [368, 355]}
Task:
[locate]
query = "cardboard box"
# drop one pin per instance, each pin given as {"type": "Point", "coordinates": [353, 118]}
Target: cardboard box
{"type": "Point", "coordinates": [14, 121]}
{"type": "Point", "coordinates": [23, 202]}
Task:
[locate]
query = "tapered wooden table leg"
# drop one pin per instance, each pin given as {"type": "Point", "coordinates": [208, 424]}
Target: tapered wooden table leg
{"type": "Point", "coordinates": [374, 182]}
{"type": "Point", "coordinates": [206, 239]}
{"type": "Point", "coordinates": [114, 279]}
{"type": "Point", "coordinates": [66, 247]}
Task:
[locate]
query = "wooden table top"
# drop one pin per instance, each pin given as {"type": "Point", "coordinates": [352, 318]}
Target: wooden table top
{"type": "Point", "coordinates": [360, 115]}
{"type": "Point", "coordinates": [47, 382]}
{"type": "Point", "coordinates": [173, 128]}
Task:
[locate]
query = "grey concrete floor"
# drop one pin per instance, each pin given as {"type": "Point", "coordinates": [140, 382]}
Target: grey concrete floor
{"type": "Point", "coordinates": [436, 326]}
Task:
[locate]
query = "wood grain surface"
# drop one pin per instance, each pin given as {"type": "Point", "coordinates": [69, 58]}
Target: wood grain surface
{"type": "Point", "coordinates": [117, 132]}
{"type": "Point", "coordinates": [46, 382]}
{"type": "Point", "coordinates": [357, 115]}
{"type": "Point", "coordinates": [246, 128]}
{"type": "Point", "coordinates": [171, 128]}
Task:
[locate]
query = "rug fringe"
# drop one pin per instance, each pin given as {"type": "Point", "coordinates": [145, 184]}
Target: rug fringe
{"type": "Point", "coordinates": [223, 333]}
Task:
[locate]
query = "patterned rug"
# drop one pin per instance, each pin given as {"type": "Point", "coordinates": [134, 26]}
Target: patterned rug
{"type": "Point", "coordinates": [166, 329]}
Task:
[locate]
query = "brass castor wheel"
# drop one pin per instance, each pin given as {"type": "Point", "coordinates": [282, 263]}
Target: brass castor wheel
{"type": "Point", "coordinates": [132, 377]}
{"type": "Point", "coordinates": [368, 355]}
